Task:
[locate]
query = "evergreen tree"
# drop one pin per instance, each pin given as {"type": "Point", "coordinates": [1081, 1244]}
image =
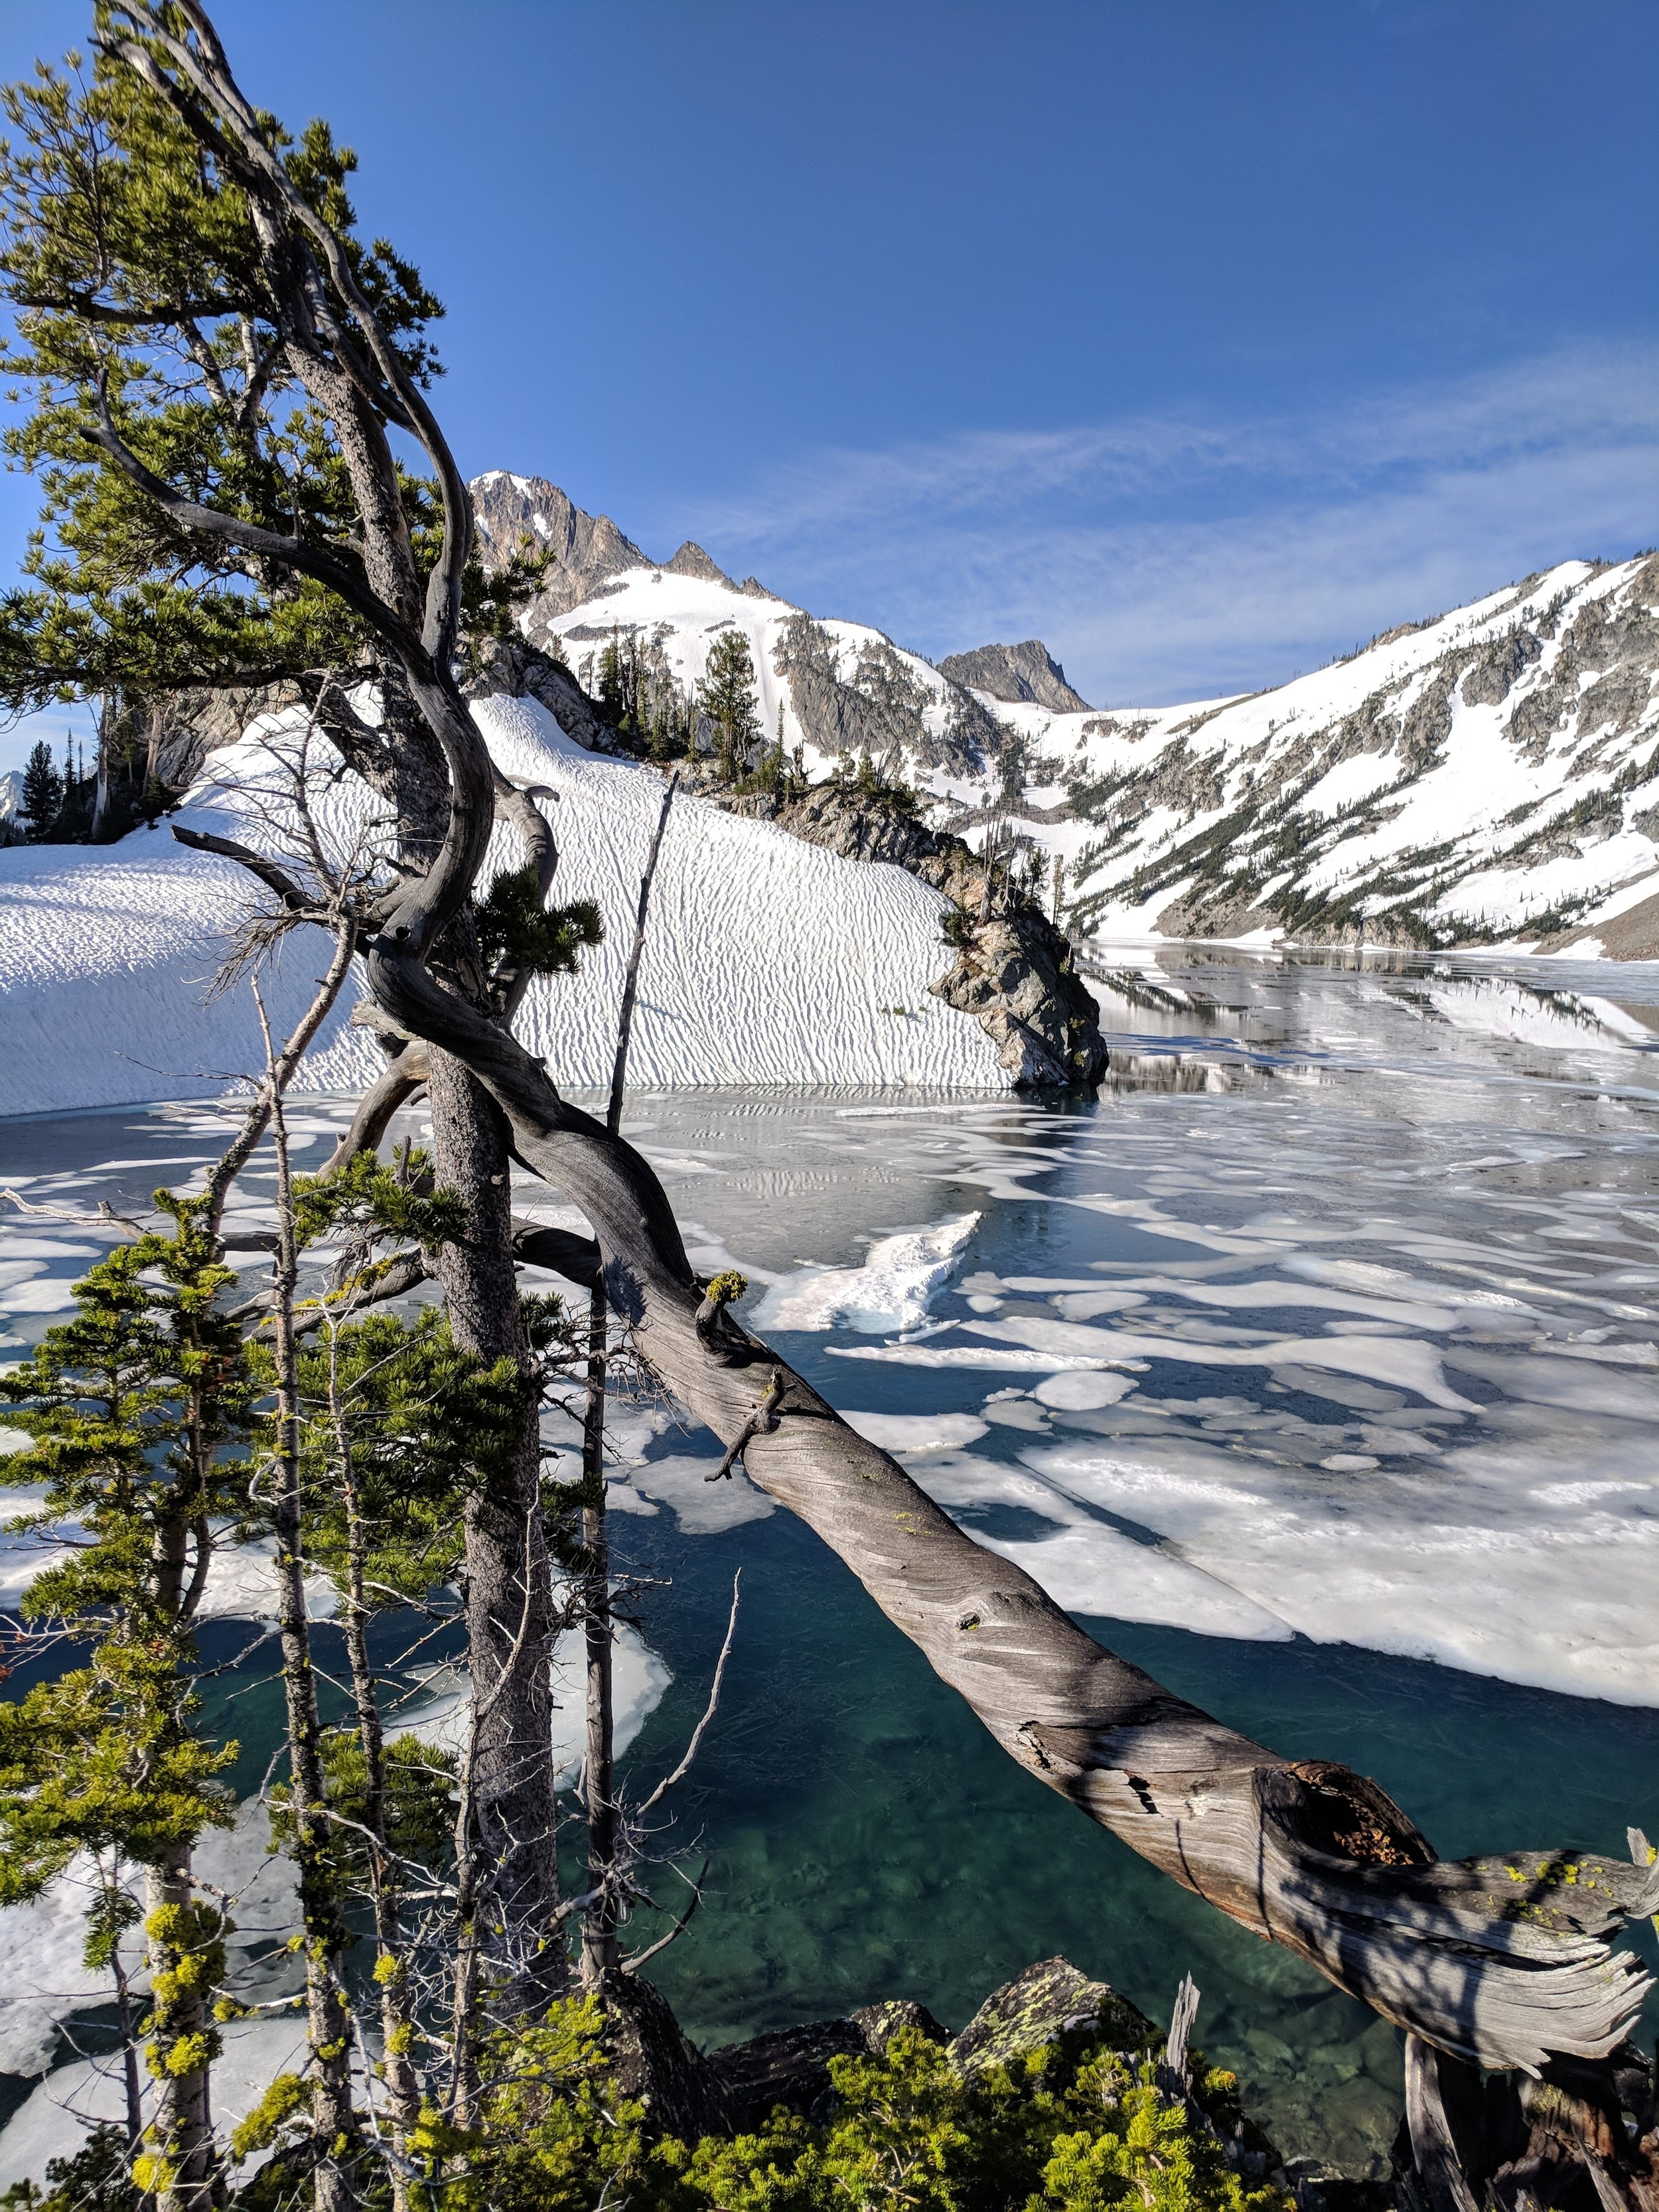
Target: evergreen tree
{"type": "Point", "coordinates": [728, 699]}
{"type": "Point", "coordinates": [43, 792]}
{"type": "Point", "coordinates": [133, 1409]}
{"type": "Point", "coordinates": [216, 361]}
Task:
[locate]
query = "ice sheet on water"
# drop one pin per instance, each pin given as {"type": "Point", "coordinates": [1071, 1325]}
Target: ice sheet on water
{"type": "Point", "coordinates": [44, 1941]}
{"type": "Point", "coordinates": [682, 1482]}
{"type": "Point", "coordinates": [241, 1582]}
{"type": "Point", "coordinates": [639, 1679]}
{"type": "Point", "coordinates": [1083, 1393]}
{"type": "Point", "coordinates": [55, 2119]}
{"type": "Point", "coordinates": [891, 1290]}
{"type": "Point", "coordinates": [1083, 1560]}
{"type": "Point", "coordinates": [1478, 1561]}
{"type": "Point", "coordinates": [1385, 1358]}
{"type": "Point", "coordinates": [1005, 1359]}
{"type": "Point", "coordinates": [916, 1432]}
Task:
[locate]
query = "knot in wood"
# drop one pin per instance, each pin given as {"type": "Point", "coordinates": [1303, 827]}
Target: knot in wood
{"type": "Point", "coordinates": [716, 1333]}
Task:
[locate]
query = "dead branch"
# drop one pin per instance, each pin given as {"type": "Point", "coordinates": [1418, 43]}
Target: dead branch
{"type": "Point", "coordinates": [708, 1711]}
{"type": "Point", "coordinates": [1498, 1960]}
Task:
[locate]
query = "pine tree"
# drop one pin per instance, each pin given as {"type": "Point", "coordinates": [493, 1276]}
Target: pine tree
{"type": "Point", "coordinates": [306, 551]}
{"type": "Point", "coordinates": [43, 792]}
{"type": "Point", "coordinates": [132, 1407]}
{"type": "Point", "coordinates": [728, 699]}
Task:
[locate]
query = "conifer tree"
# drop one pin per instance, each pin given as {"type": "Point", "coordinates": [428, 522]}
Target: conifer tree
{"type": "Point", "coordinates": [43, 792]}
{"type": "Point", "coordinates": [728, 699]}
{"type": "Point", "coordinates": [214, 362]}
{"type": "Point", "coordinates": [135, 1409]}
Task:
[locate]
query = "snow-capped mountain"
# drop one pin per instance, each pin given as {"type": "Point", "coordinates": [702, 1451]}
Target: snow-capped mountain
{"type": "Point", "coordinates": [843, 686]}
{"type": "Point", "coordinates": [1490, 776]}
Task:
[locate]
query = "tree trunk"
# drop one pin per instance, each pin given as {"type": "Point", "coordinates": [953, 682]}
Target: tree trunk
{"type": "Point", "coordinates": [100, 798]}
{"type": "Point", "coordinates": [508, 1593]}
{"type": "Point", "coordinates": [328, 2024]}
{"type": "Point", "coordinates": [185, 2170]}
{"type": "Point", "coordinates": [390, 1973]}
{"type": "Point", "coordinates": [600, 1955]}
{"type": "Point", "coordinates": [155, 724]}
{"type": "Point", "coordinates": [599, 1949]}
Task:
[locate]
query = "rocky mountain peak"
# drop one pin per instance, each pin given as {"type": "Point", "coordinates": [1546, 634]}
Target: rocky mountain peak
{"type": "Point", "coordinates": [587, 550]}
{"type": "Point", "coordinates": [692, 561]}
{"type": "Point", "coordinates": [1027, 672]}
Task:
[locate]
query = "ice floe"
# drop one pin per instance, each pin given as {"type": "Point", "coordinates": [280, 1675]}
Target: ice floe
{"type": "Point", "coordinates": [891, 1290]}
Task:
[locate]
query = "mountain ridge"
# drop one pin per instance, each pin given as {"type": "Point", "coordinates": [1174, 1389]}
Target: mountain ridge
{"type": "Point", "coordinates": [1486, 776]}
{"type": "Point", "coordinates": [1025, 674]}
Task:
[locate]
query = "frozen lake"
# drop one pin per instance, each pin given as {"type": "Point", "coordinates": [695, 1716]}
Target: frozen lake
{"type": "Point", "coordinates": [1314, 1364]}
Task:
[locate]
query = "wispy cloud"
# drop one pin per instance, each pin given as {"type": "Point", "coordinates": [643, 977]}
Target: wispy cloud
{"type": "Point", "coordinates": [1163, 557]}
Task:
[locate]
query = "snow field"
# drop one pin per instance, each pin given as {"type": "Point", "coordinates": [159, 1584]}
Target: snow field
{"type": "Point", "coordinates": [768, 960]}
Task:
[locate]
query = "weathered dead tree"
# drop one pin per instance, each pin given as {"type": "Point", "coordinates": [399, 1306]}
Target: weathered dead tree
{"type": "Point", "coordinates": [1498, 1961]}
{"type": "Point", "coordinates": [599, 1950]}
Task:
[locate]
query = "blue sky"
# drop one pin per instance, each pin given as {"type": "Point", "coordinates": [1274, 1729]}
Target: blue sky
{"type": "Point", "coordinates": [1204, 340]}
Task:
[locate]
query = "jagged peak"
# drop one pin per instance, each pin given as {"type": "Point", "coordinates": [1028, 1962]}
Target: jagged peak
{"type": "Point", "coordinates": [1026, 674]}
{"type": "Point", "coordinates": [692, 561]}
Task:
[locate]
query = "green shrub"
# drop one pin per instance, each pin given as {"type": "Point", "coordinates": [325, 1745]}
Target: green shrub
{"type": "Point", "coordinates": [1069, 2129]}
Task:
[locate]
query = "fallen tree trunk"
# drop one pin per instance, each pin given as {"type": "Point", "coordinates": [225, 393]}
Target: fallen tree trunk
{"type": "Point", "coordinates": [1500, 1960]}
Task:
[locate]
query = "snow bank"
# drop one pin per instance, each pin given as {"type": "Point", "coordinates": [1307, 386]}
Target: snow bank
{"type": "Point", "coordinates": [768, 961]}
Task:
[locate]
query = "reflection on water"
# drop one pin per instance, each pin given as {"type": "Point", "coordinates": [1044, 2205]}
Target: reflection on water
{"type": "Point", "coordinates": [1313, 1364]}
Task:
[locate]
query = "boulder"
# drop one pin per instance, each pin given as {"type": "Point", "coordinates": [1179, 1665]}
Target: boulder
{"type": "Point", "coordinates": [1047, 2003]}
{"type": "Point", "coordinates": [791, 2066]}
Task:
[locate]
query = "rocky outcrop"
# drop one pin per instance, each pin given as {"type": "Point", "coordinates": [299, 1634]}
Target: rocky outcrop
{"type": "Point", "coordinates": [692, 561]}
{"type": "Point", "coordinates": [1012, 970]}
{"type": "Point", "coordinates": [587, 550]}
{"type": "Point", "coordinates": [1046, 2004]}
{"type": "Point", "coordinates": [523, 671]}
{"type": "Point", "coordinates": [879, 706]}
{"type": "Point", "coordinates": [792, 2066]}
{"type": "Point", "coordinates": [1027, 672]}
{"type": "Point", "coordinates": [735, 2087]}
{"type": "Point", "coordinates": [1025, 996]}
{"type": "Point", "coordinates": [655, 2063]}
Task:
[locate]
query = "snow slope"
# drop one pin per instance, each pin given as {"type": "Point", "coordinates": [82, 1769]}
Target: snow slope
{"type": "Point", "coordinates": [769, 960]}
{"type": "Point", "coordinates": [1491, 777]}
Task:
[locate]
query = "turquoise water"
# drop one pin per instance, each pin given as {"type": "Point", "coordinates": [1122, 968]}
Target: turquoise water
{"type": "Point", "coordinates": [1404, 1559]}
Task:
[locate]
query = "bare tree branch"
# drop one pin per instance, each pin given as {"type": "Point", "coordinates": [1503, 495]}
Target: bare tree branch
{"type": "Point", "coordinates": [708, 1711]}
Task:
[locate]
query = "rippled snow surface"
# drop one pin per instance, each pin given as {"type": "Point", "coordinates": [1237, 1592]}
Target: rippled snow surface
{"type": "Point", "coordinates": [1313, 1364]}
{"type": "Point", "coordinates": [769, 960]}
